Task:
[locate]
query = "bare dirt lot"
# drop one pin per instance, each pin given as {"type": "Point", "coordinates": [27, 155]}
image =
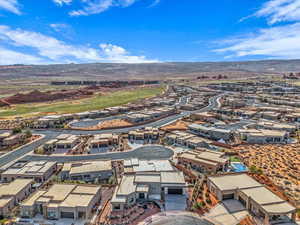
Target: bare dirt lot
{"type": "Point", "coordinates": [280, 163]}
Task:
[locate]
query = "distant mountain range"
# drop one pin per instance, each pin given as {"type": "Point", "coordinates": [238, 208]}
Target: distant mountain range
{"type": "Point", "coordinates": [150, 70]}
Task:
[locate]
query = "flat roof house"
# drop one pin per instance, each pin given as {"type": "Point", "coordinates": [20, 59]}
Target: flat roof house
{"type": "Point", "coordinates": [204, 160]}
{"type": "Point", "coordinates": [87, 171]}
{"type": "Point", "coordinates": [253, 136]}
{"type": "Point", "coordinates": [211, 132]}
{"type": "Point", "coordinates": [65, 143]}
{"type": "Point", "coordinates": [293, 117]}
{"type": "Point", "coordinates": [3, 136]}
{"type": "Point", "coordinates": [291, 128]}
{"type": "Point", "coordinates": [144, 134]}
{"type": "Point", "coordinates": [145, 186]}
{"type": "Point", "coordinates": [137, 117]}
{"type": "Point", "coordinates": [186, 139]}
{"type": "Point", "coordinates": [13, 193]}
{"type": "Point", "coordinates": [13, 139]}
{"type": "Point", "coordinates": [40, 171]}
{"type": "Point", "coordinates": [103, 142]}
{"type": "Point", "coordinates": [147, 180]}
{"type": "Point", "coordinates": [267, 207]}
{"type": "Point", "coordinates": [62, 201]}
{"type": "Point", "coordinates": [135, 165]}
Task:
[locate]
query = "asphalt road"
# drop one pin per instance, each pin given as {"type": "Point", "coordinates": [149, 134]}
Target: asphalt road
{"type": "Point", "coordinates": [143, 152]}
{"type": "Point", "coordinates": [93, 122]}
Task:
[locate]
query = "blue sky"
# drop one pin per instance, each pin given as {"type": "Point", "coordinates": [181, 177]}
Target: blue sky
{"type": "Point", "coordinates": [141, 31]}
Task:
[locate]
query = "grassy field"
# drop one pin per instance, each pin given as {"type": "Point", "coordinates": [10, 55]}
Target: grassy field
{"type": "Point", "coordinates": [87, 104]}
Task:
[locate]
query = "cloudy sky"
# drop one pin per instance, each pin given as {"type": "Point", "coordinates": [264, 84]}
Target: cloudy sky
{"type": "Point", "coordinates": [142, 31]}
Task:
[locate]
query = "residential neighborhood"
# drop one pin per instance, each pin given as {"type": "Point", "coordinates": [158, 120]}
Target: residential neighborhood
{"type": "Point", "coordinates": [227, 156]}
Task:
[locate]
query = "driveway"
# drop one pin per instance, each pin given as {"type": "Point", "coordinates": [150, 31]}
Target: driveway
{"type": "Point", "coordinates": [175, 218]}
{"type": "Point", "coordinates": [175, 202]}
{"type": "Point", "coordinates": [229, 212]}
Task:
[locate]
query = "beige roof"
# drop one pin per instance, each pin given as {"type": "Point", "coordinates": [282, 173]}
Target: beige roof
{"type": "Point", "coordinates": [14, 187]}
{"type": "Point", "coordinates": [90, 167]}
{"type": "Point", "coordinates": [44, 199]}
{"type": "Point", "coordinates": [118, 198]}
{"type": "Point", "coordinates": [208, 157]}
{"type": "Point", "coordinates": [276, 125]}
{"type": "Point", "coordinates": [103, 136]}
{"type": "Point", "coordinates": [5, 134]}
{"type": "Point", "coordinates": [5, 201]}
{"type": "Point", "coordinates": [174, 177]}
{"type": "Point", "coordinates": [233, 181]}
{"type": "Point", "coordinates": [261, 132]}
{"type": "Point", "coordinates": [82, 189]}
{"type": "Point", "coordinates": [67, 167]}
{"type": "Point", "coordinates": [74, 200]}
{"type": "Point", "coordinates": [31, 168]}
{"type": "Point", "coordinates": [279, 208]}
{"type": "Point", "coordinates": [59, 192]}
{"type": "Point", "coordinates": [262, 195]}
{"type": "Point", "coordinates": [149, 165]}
{"type": "Point", "coordinates": [127, 185]}
{"type": "Point", "coordinates": [213, 156]}
{"type": "Point", "coordinates": [193, 157]}
{"type": "Point", "coordinates": [197, 140]}
{"type": "Point", "coordinates": [65, 195]}
{"type": "Point", "coordinates": [147, 178]}
{"type": "Point", "coordinates": [142, 188]}
{"type": "Point", "coordinates": [31, 200]}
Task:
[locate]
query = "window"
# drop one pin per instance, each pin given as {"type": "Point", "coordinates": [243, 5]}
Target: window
{"type": "Point", "coordinates": [51, 214]}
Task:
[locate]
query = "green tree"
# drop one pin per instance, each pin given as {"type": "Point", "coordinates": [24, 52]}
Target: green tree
{"type": "Point", "coordinates": [28, 133]}
{"type": "Point", "coordinates": [17, 130]}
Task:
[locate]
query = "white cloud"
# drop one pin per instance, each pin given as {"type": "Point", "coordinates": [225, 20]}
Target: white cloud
{"type": "Point", "coordinates": [51, 50]}
{"type": "Point", "coordinates": [93, 7]}
{"type": "Point", "coordinates": [11, 6]}
{"type": "Point", "coordinates": [155, 3]}
{"type": "Point", "coordinates": [114, 53]}
{"type": "Point", "coordinates": [280, 41]}
{"type": "Point", "coordinates": [275, 41]}
{"type": "Point", "coordinates": [280, 11]}
{"type": "Point", "coordinates": [8, 57]}
{"type": "Point", "coordinates": [59, 26]}
{"type": "Point", "coordinates": [61, 2]}
{"type": "Point", "coordinates": [98, 6]}
{"type": "Point", "coordinates": [47, 46]}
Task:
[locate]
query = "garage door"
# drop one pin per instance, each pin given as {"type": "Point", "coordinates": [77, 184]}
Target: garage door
{"type": "Point", "coordinates": [175, 191]}
{"type": "Point", "coordinates": [228, 196]}
{"type": "Point", "coordinates": [67, 215]}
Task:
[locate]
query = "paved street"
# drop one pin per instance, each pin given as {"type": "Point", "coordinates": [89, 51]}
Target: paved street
{"type": "Point", "coordinates": [143, 152]}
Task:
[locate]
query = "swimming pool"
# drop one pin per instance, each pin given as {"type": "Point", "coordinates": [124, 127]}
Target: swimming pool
{"type": "Point", "coordinates": [238, 167]}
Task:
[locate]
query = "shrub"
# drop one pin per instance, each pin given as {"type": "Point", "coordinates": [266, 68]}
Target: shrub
{"type": "Point", "coordinates": [17, 130]}
{"type": "Point", "coordinates": [28, 133]}
{"type": "Point", "coordinates": [199, 205]}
